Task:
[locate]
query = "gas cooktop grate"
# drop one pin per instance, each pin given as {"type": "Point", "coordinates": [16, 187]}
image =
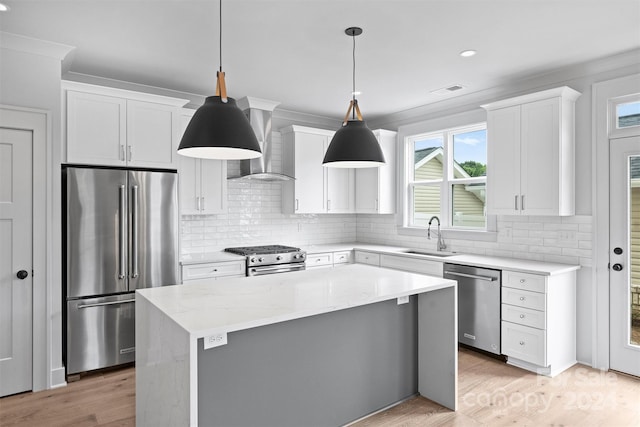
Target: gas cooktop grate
{"type": "Point", "coordinates": [261, 250]}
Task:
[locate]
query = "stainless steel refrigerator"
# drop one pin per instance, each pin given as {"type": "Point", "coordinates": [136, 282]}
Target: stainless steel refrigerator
{"type": "Point", "coordinates": [120, 229]}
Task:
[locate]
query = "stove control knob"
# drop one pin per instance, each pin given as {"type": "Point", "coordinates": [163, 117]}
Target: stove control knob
{"type": "Point", "coordinates": [260, 259]}
{"type": "Point", "coordinates": [252, 260]}
{"type": "Point", "coordinates": [278, 258]}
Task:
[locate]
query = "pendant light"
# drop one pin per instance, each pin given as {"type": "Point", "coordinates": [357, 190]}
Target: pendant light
{"type": "Point", "coordinates": [219, 129]}
{"type": "Point", "coordinates": [353, 145]}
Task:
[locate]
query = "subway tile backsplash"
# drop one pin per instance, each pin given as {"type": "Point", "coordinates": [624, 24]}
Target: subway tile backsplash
{"type": "Point", "coordinates": [255, 217]}
{"type": "Point", "coordinates": [553, 239]}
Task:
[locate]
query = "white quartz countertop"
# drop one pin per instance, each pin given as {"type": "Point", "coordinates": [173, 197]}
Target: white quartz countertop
{"type": "Point", "coordinates": [207, 307]}
{"type": "Point", "coordinates": [485, 261]}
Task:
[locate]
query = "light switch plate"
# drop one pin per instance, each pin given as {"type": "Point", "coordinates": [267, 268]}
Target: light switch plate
{"type": "Point", "coordinates": [211, 341]}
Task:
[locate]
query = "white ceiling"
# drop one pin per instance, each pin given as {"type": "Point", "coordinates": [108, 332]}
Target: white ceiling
{"type": "Point", "coordinates": [296, 52]}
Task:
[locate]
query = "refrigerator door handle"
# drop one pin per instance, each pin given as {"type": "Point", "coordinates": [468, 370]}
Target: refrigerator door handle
{"type": "Point", "coordinates": [134, 231]}
{"type": "Point", "coordinates": [121, 233]}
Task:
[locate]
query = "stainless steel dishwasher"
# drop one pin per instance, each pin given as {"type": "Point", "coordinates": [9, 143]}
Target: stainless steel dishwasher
{"type": "Point", "coordinates": [478, 305]}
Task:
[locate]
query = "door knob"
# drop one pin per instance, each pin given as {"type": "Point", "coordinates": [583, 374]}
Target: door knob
{"type": "Point", "coordinates": [22, 274]}
{"type": "Point", "coordinates": [617, 267]}
{"type": "Point", "coordinates": [617, 251]}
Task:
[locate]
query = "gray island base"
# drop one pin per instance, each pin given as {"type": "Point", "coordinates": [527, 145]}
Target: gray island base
{"type": "Point", "coordinates": [312, 348]}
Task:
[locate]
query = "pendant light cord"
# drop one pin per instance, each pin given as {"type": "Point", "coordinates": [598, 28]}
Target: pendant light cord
{"type": "Point", "coordinates": [354, 74]}
{"type": "Point", "coordinates": [220, 38]}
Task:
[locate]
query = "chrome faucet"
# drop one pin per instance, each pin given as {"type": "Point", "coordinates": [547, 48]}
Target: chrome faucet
{"type": "Point", "coordinates": [441, 245]}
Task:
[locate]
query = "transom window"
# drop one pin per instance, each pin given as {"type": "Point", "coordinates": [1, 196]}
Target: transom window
{"type": "Point", "coordinates": [628, 114]}
{"type": "Point", "coordinates": [446, 177]}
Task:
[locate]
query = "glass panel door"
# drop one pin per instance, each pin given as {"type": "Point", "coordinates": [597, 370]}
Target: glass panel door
{"type": "Point", "coordinates": [624, 255]}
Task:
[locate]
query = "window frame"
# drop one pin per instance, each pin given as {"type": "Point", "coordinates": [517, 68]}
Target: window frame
{"type": "Point", "coordinates": [614, 130]}
{"type": "Point", "coordinates": [408, 134]}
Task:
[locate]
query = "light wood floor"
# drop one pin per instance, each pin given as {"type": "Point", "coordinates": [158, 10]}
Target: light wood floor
{"type": "Point", "coordinates": [490, 392]}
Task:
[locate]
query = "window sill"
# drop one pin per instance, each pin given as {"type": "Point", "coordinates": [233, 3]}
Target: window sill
{"type": "Point", "coordinates": [452, 233]}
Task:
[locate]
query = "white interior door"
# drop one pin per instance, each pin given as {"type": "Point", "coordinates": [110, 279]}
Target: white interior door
{"type": "Point", "coordinates": [16, 261]}
{"type": "Point", "coordinates": [624, 255]}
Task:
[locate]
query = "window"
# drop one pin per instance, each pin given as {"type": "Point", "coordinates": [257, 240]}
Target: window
{"type": "Point", "coordinates": [628, 114]}
{"type": "Point", "coordinates": [446, 176]}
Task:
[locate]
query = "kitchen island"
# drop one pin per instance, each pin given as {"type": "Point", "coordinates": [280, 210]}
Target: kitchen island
{"type": "Point", "coordinates": [320, 347]}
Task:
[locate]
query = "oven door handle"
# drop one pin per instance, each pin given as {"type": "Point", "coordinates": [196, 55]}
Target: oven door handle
{"type": "Point", "coordinates": [271, 270]}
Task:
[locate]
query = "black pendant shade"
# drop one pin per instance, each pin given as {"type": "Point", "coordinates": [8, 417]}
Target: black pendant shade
{"type": "Point", "coordinates": [219, 130]}
{"type": "Point", "coordinates": [354, 146]}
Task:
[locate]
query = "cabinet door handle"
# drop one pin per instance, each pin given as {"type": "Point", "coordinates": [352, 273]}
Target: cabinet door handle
{"type": "Point", "coordinates": [522, 316]}
{"type": "Point", "coordinates": [377, 206]}
{"type": "Point", "coordinates": [328, 204]}
{"type": "Point", "coordinates": [129, 151]}
{"type": "Point", "coordinates": [197, 203]}
{"type": "Point", "coordinates": [297, 204]}
{"type": "Point", "coordinates": [521, 342]}
{"type": "Point", "coordinates": [522, 298]}
{"type": "Point", "coordinates": [522, 202]}
{"type": "Point", "coordinates": [516, 202]}
{"type": "Point", "coordinates": [122, 152]}
{"type": "Point", "coordinates": [202, 203]}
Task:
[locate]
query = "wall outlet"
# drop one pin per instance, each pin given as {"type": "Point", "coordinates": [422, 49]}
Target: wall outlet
{"type": "Point", "coordinates": [403, 300]}
{"type": "Point", "coordinates": [216, 340]}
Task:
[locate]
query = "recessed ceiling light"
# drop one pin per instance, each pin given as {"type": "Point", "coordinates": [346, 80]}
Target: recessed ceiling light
{"type": "Point", "coordinates": [468, 53]}
{"type": "Point", "coordinates": [3, 7]}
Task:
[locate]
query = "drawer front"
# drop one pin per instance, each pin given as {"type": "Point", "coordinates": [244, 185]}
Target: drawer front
{"type": "Point", "coordinates": [344, 257]}
{"type": "Point", "coordinates": [528, 282]}
{"type": "Point", "coordinates": [524, 316]}
{"type": "Point", "coordinates": [526, 299]}
{"type": "Point", "coordinates": [524, 343]}
{"type": "Point", "coordinates": [213, 269]}
{"type": "Point", "coordinates": [319, 260]}
{"type": "Point", "coordinates": [367, 258]}
{"type": "Point", "coordinates": [433, 268]}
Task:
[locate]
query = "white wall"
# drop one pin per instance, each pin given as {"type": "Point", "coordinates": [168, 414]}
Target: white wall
{"type": "Point", "coordinates": [30, 76]}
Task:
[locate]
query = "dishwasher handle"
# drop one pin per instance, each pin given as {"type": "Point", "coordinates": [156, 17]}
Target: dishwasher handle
{"type": "Point", "coordinates": [471, 276]}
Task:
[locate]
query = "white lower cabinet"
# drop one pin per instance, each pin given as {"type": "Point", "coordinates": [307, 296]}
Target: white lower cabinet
{"type": "Point", "coordinates": [524, 343]}
{"type": "Point", "coordinates": [324, 259]}
{"type": "Point", "coordinates": [370, 258]}
{"type": "Point", "coordinates": [539, 321]}
{"type": "Point", "coordinates": [213, 270]}
{"type": "Point", "coordinates": [328, 259]}
{"type": "Point", "coordinates": [342, 257]}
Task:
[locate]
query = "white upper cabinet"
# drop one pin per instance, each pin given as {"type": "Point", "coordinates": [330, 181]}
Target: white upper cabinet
{"type": "Point", "coordinates": [114, 127]}
{"type": "Point", "coordinates": [376, 187]}
{"type": "Point", "coordinates": [203, 182]}
{"type": "Point", "coordinates": [316, 189]}
{"type": "Point", "coordinates": [531, 154]}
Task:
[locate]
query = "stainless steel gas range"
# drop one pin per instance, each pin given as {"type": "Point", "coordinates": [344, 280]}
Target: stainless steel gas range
{"type": "Point", "coordinates": [271, 259]}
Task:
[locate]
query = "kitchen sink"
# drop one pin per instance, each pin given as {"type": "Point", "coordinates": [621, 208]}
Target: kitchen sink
{"type": "Point", "coordinates": [429, 253]}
